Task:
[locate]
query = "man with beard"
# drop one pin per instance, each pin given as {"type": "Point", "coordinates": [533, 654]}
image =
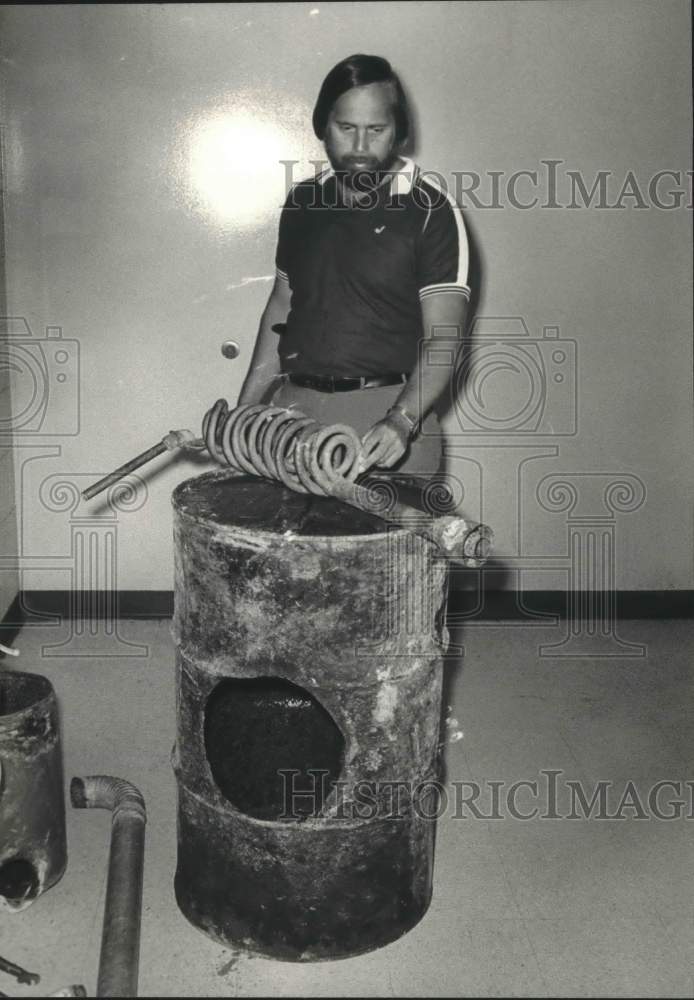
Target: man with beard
{"type": "Point", "coordinates": [371, 286]}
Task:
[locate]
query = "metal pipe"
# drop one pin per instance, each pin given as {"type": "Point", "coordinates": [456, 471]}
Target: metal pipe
{"type": "Point", "coordinates": [23, 977]}
{"type": "Point", "coordinates": [120, 940]}
{"type": "Point", "coordinates": [285, 445]}
{"type": "Point", "coordinates": [123, 471]}
{"type": "Point", "coordinates": [170, 442]}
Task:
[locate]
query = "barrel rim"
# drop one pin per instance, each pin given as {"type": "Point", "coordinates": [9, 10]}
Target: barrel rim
{"type": "Point", "coordinates": [391, 531]}
{"type": "Point", "coordinates": [43, 700]}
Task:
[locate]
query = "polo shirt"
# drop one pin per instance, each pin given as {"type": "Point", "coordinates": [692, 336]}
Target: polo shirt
{"type": "Point", "coordinates": [358, 274]}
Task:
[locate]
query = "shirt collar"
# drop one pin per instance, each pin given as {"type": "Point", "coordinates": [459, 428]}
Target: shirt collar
{"type": "Point", "coordinates": [401, 180]}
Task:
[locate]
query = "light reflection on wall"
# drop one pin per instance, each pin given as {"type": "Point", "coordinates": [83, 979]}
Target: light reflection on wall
{"type": "Point", "coordinates": [233, 164]}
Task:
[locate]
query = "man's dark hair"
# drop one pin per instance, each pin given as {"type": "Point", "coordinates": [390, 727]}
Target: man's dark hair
{"type": "Point", "coordinates": [358, 71]}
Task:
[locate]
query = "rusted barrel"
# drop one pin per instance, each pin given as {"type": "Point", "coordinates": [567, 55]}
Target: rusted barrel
{"type": "Point", "coordinates": [309, 666]}
{"type": "Point", "coordinates": [33, 852]}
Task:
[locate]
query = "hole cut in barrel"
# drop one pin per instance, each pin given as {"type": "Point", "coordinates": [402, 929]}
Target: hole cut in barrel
{"type": "Point", "coordinates": [19, 882]}
{"type": "Point", "coordinates": [255, 730]}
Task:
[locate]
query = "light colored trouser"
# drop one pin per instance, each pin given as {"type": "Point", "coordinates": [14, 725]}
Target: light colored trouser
{"type": "Point", "coordinates": [360, 409]}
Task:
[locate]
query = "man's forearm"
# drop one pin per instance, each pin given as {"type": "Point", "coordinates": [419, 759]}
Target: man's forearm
{"type": "Point", "coordinates": [432, 375]}
{"type": "Point", "coordinates": [265, 363]}
{"type": "Point", "coordinates": [424, 386]}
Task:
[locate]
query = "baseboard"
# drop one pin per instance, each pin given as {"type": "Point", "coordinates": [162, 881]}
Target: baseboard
{"type": "Point", "coordinates": [11, 622]}
{"type": "Point", "coordinates": [492, 605]}
{"type": "Point", "coordinates": [514, 605]}
{"type": "Point", "coordinates": [32, 605]}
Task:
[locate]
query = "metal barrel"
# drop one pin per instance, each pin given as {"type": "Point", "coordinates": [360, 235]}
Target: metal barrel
{"type": "Point", "coordinates": [309, 663]}
{"type": "Point", "coordinates": [33, 852]}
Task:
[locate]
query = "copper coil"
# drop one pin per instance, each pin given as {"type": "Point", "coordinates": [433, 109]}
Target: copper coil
{"type": "Point", "coordinates": [285, 445]}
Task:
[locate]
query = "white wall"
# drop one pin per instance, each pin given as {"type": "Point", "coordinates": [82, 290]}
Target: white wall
{"type": "Point", "coordinates": [134, 245]}
{"type": "Point", "coordinates": [9, 576]}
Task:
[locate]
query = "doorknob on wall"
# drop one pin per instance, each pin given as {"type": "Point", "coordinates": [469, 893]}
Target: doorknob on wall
{"type": "Point", "coordinates": [230, 349]}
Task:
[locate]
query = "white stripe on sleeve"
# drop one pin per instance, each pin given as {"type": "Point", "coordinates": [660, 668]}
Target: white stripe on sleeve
{"type": "Point", "coordinates": [463, 250]}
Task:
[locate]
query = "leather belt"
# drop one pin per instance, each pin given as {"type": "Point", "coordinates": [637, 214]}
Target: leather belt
{"type": "Point", "coordinates": [341, 383]}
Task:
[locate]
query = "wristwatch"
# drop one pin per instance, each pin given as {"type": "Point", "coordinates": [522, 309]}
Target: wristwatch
{"type": "Point", "coordinates": [412, 422]}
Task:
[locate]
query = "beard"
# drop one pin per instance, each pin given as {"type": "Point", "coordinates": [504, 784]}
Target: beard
{"type": "Point", "coordinates": [362, 173]}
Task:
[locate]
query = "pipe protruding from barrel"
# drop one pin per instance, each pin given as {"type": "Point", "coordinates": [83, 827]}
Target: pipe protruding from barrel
{"type": "Point", "coordinates": [120, 940]}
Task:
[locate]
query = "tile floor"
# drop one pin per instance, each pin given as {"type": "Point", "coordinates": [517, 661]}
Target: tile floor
{"type": "Point", "coordinates": [537, 907]}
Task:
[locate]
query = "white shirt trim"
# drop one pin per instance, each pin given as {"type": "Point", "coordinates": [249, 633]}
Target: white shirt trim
{"type": "Point", "coordinates": [400, 182]}
{"type": "Point", "coordinates": [444, 286]}
{"type": "Point", "coordinates": [463, 251]}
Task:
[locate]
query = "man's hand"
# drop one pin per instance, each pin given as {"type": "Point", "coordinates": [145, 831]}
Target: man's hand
{"type": "Point", "coordinates": [385, 443]}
